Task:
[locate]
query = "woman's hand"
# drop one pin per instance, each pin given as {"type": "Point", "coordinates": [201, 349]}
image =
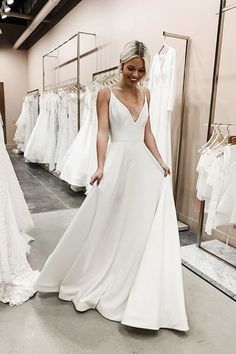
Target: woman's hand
{"type": "Point", "coordinates": [97, 176]}
{"type": "Point", "coordinates": [166, 169]}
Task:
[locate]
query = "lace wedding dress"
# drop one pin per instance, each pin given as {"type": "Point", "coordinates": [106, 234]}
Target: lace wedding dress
{"type": "Point", "coordinates": [16, 276]}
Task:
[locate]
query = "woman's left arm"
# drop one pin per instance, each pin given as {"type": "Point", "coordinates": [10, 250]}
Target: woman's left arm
{"type": "Point", "coordinates": [150, 142]}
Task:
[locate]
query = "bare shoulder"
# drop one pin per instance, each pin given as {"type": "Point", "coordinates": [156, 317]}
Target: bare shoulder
{"type": "Point", "coordinates": [146, 92]}
{"type": "Point", "coordinates": [104, 94]}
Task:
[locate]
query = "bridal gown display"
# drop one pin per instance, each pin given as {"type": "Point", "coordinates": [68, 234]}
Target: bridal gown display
{"type": "Point", "coordinates": [121, 255]}
{"type": "Point", "coordinates": [162, 86]}
{"type": "Point", "coordinates": [80, 160]}
{"type": "Point", "coordinates": [16, 276]}
{"type": "Point", "coordinates": [26, 121]}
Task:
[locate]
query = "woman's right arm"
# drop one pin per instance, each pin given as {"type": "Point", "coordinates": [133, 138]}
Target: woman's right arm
{"type": "Point", "coordinates": [103, 132]}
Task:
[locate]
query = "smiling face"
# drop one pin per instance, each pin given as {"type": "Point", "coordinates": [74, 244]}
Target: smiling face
{"type": "Point", "coordinates": [133, 71]}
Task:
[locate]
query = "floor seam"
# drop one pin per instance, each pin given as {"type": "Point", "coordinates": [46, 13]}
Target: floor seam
{"type": "Point", "coordinates": [42, 184]}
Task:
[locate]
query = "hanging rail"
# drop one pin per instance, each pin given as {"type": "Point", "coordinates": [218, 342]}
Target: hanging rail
{"type": "Point", "coordinates": [105, 71]}
{"type": "Point", "coordinates": [32, 91]}
{"type": "Point", "coordinates": [66, 41]}
{"type": "Point", "coordinates": [174, 35]}
{"type": "Point", "coordinates": [228, 8]}
{"type": "Point", "coordinates": [223, 125]}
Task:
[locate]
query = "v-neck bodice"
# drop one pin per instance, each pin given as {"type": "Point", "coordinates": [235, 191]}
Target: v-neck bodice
{"type": "Point", "coordinates": [123, 127]}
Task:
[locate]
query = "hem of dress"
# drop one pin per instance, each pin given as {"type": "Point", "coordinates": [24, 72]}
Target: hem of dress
{"type": "Point", "coordinates": [136, 323]}
{"type": "Point", "coordinates": [182, 325]}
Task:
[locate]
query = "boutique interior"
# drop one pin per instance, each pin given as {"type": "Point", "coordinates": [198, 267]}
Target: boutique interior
{"type": "Point", "coordinates": [54, 58]}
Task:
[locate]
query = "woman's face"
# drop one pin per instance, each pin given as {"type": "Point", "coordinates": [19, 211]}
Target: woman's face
{"type": "Point", "coordinates": [133, 71]}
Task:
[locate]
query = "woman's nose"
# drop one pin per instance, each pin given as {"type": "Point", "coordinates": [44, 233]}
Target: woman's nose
{"type": "Point", "coordinates": [135, 74]}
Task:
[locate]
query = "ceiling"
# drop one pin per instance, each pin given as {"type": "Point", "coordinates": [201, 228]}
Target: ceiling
{"type": "Point", "coordinates": [13, 27]}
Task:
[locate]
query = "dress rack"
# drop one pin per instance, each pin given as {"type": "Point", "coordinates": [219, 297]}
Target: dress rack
{"type": "Point", "coordinates": [199, 236]}
{"type": "Point", "coordinates": [187, 40]}
{"type": "Point", "coordinates": [219, 40]}
{"type": "Point", "coordinates": [73, 82]}
{"type": "Point", "coordinates": [79, 56]}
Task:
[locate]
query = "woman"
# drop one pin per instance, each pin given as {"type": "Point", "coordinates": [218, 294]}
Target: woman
{"type": "Point", "coordinates": [120, 254]}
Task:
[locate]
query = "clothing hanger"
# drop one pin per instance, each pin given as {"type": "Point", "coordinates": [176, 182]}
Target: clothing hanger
{"type": "Point", "coordinates": [231, 137]}
{"type": "Point", "coordinates": [165, 45]}
{"type": "Point", "coordinates": [218, 138]}
{"type": "Point", "coordinates": [213, 136]}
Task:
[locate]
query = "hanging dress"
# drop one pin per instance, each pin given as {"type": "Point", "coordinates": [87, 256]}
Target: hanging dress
{"type": "Point", "coordinates": [81, 158]}
{"type": "Point", "coordinates": [162, 86]}
{"type": "Point", "coordinates": [120, 254]}
{"type": "Point", "coordinates": [16, 276]}
{"type": "Point", "coordinates": [37, 145]}
{"type": "Point", "coordinates": [226, 208]}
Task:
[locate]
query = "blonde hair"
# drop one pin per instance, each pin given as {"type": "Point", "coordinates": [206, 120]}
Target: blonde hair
{"type": "Point", "coordinates": [135, 49]}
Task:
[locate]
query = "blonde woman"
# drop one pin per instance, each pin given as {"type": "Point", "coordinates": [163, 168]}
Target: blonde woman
{"type": "Point", "coordinates": [120, 254]}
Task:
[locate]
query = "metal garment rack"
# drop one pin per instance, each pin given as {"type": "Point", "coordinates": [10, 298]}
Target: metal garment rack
{"type": "Point", "coordinates": [105, 71]}
{"type": "Point", "coordinates": [186, 61]}
{"type": "Point", "coordinates": [219, 40]}
{"type": "Point", "coordinates": [33, 91]}
{"type": "Point", "coordinates": [77, 59]}
{"type": "Point", "coordinates": [77, 78]}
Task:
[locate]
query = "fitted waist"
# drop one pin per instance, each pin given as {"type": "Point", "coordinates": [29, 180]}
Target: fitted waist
{"type": "Point", "coordinates": [128, 136]}
{"type": "Point", "coordinates": [126, 140]}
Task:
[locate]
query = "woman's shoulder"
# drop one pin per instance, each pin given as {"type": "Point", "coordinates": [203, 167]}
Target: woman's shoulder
{"type": "Point", "coordinates": [146, 92]}
{"type": "Point", "coordinates": [104, 93]}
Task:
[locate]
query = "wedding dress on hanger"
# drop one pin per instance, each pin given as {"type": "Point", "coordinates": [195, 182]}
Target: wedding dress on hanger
{"type": "Point", "coordinates": [80, 160]}
{"type": "Point", "coordinates": [16, 276]}
{"type": "Point", "coordinates": [162, 86]}
{"type": "Point", "coordinates": [26, 121]}
{"type": "Point", "coordinates": [120, 254]}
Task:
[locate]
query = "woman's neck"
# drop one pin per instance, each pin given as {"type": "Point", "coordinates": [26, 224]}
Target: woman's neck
{"type": "Point", "coordinates": [124, 86]}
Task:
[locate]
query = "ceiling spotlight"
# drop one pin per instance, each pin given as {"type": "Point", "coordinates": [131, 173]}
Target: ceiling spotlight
{"type": "Point", "coordinates": [6, 8]}
{"type": "Point", "coordinates": [10, 2]}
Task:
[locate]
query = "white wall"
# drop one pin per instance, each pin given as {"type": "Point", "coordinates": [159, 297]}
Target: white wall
{"type": "Point", "coordinates": [14, 74]}
{"type": "Point", "coordinates": [118, 21]}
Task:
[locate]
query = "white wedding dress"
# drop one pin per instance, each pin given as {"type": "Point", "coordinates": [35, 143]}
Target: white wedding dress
{"type": "Point", "coordinates": [80, 160]}
{"type": "Point", "coordinates": [120, 254]}
{"type": "Point", "coordinates": [162, 86]}
{"type": "Point", "coordinates": [16, 276]}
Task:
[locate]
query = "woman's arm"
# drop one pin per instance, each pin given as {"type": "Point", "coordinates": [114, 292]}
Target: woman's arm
{"type": "Point", "coordinates": [103, 132]}
{"type": "Point", "coordinates": [150, 142]}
